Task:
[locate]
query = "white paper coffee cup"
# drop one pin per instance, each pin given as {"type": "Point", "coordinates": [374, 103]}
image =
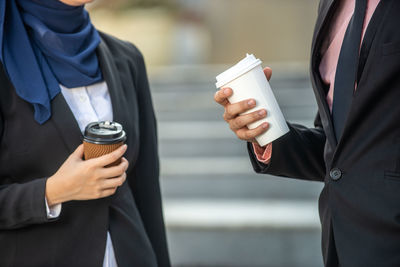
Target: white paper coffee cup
{"type": "Point", "coordinates": [248, 80]}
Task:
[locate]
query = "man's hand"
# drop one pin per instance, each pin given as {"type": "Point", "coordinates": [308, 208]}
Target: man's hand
{"type": "Point", "coordinates": [238, 122]}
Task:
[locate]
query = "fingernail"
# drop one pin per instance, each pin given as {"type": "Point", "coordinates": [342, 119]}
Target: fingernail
{"type": "Point", "coordinates": [261, 112]}
{"type": "Point", "coordinates": [226, 91]}
{"type": "Point", "coordinates": [251, 102]}
{"type": "Point", "coordinates": [265, 126]}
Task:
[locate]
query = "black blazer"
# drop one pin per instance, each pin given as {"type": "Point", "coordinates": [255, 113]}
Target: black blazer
{"type": "Point", "coordinates": [30, 152]}
{"type": "Point", "coordinates": [360, 204]}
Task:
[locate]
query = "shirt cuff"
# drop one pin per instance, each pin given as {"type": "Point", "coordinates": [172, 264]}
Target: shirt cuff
{"type": "Point", "coordinates": [263, 154]}
{"type": "Point", "coordinates": [52, 212]}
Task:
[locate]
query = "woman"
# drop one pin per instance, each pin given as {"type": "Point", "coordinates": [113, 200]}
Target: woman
{"type": "Point", "coordinates": [58, 74]}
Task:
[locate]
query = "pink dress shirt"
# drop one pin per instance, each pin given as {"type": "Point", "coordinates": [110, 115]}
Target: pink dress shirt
{"type": "Point", "coordinates": [330, 51]}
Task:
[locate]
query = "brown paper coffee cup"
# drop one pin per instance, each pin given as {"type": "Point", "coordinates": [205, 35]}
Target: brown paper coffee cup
{"type": "Point", "coordinates": [101, 138]}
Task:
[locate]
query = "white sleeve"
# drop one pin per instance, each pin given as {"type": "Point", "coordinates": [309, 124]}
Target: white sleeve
{"type": "Point", "coordinates": [52, 212]}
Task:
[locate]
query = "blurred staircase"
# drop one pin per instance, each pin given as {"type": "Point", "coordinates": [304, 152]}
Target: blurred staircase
{"type": "Point", "coordinates": [218, 212]}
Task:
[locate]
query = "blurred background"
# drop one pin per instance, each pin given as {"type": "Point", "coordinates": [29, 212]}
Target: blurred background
{"type": "Point", "coordinates": [218, 212]}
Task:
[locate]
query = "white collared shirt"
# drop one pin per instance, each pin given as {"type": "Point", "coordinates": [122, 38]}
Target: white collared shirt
{"type": "Point", "coordinates": [88, 104]}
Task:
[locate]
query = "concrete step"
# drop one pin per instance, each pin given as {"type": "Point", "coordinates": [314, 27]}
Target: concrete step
{"type": "Point", "coordinates": [234, 214]}
{"type": "Point", "coordinates": [204, 99]}
{"type": "Point", "coordinates": [186, 78]}
{"type": "Point", "coordinates": [290, 113]}
{"type": "Point", "coordinates": [283, 74]}
{"type": "Point", "coordinates": [202, 130]}
{"type": "Point", "coordinates": [205, 166]}
{"type": "Point", "coordinates": [243, 233]}
{"type": "Point", "coordinates": [243, 186]}
{"type": "Point", "coordinates": [172, 146]}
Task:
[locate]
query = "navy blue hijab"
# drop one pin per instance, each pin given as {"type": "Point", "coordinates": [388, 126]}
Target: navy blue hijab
{"type": "Point", "coordinates": [44, 43]}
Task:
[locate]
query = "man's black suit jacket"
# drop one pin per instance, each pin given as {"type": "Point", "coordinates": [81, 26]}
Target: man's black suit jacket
{"type": "Point", "coordinates": [360, 204]}
{"type": "Point", "coordinates": [30, 152]}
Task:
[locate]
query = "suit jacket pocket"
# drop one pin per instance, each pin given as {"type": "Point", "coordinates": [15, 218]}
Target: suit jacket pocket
{"type": "Point", "coordinates": [395, 176]}
{"type": "Point", "coordinates": [391, 48]}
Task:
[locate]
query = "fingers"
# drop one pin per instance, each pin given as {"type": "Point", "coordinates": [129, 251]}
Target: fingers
{"type": "Point", "coordinates": [249, 135]}
{"type": "Point", "coordinates": [115, 170]}
{"type": "Point", "coordinates": [113, 182]}
{"type": "Point", "coordinates": [233, 110]}
{"type": "Point", "coordinates": [242, 121]}
{"type": "Point", "coordinates": [109, 158]}
{"type": "Point", "coordinates": [268, 73]}
{"type": "Point", "coordinates": [108, 192]}
{"type": "Point", "coordinates": [221, 96]}
{"type": "Point", "coordinates": [78, 153]}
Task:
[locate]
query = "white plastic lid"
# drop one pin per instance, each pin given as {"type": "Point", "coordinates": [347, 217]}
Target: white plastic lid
{"type": "Point", "coordinates": [245, 65]}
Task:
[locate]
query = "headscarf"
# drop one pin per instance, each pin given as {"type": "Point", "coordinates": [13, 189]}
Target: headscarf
{"type": "Point", "coordinates": [45, 43]}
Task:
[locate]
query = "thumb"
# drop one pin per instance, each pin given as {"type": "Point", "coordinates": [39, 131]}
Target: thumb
{"type": "Point", "coordinates": [268, 73]}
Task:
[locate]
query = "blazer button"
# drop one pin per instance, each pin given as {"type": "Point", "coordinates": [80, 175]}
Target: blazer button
{"type": "Point", "coordinates": [335, 174]}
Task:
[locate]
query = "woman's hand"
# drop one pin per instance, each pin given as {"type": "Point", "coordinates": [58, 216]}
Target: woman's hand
{"type": "Point", "coordinates": [79, 179]}
{"type": "Point", "coordinates": [238, 122]}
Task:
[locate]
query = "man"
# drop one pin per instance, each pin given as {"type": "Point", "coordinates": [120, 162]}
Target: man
{"type": "Point", "coordinates": [355, 145]}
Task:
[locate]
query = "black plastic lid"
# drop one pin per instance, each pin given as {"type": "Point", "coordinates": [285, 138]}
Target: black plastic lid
{"type": "Point", "coordinates": [104, 132]}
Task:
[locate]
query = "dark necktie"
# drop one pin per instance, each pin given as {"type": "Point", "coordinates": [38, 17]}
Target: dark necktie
{"type": "Point", "coordinates": [346, 71]}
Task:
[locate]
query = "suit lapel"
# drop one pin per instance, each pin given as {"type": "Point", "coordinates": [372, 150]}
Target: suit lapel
{"type": "Point", "coordinates": [114, 85]}
{"type": "Point", "coordinates": [369, 37]}
{"type": "Point", "coordinates": [326, 11]}
{"type": "Point", "coordinates": [367, 52]}
{"type": "Point", "coordinates": [120, 106]}
{"type": "Point", "coordinates": [325, 7]}
{"type": "Point", "coordinates": [65, 123]}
